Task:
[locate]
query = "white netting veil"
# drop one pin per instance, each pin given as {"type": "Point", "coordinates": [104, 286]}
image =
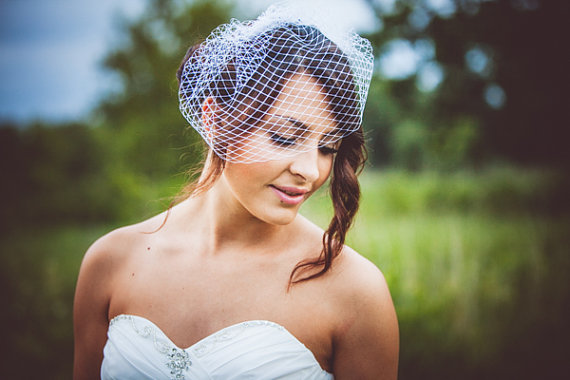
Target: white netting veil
{"type": "Point", "coordinates": [275, 86]}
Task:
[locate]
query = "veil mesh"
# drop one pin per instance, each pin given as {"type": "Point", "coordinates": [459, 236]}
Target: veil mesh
{"type": "Point", "coordinates": [232, 86]}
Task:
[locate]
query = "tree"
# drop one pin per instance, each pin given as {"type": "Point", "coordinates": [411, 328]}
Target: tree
{"type": "Point", "coordinates": [504, 72]}
{"type": "Point", "coordinates": [141, 121]}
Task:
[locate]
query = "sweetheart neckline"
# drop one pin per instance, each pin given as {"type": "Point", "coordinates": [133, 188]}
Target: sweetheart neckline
{"type": "Point", "coordinates": [220, 332]}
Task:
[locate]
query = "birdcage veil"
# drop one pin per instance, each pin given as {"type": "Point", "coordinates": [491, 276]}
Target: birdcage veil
{"type": "Point", "coordinates": [229, 84]}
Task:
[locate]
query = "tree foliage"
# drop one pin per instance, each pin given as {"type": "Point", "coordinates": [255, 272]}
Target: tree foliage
{"type": "Point", "coordinates": [501, 94]}
{"type": "Point", "coordinates": [142, 119]}
{"type": "Point", "coordinates": [70, 173]}
{"type": "Point", "coordinates": [484, 49]}
{"type": "Point", "coordinates": [504, 77]}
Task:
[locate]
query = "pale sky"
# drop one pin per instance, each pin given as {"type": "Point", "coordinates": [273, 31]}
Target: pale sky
{"type": "Point", "coordinates": [50, 52]}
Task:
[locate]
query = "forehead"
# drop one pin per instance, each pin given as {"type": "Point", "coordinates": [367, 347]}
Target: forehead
{"type": "Point", "coordinates": [303, 99]}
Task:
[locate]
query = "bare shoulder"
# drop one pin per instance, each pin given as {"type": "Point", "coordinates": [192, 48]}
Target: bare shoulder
{"type": "Point", "coordinates": [116, 246]}
{"type": "Point", "coordinates": [95, 287]}
{"type": "Point", "coordinates": [359, 278]}
{"type": "Point", "coordinates": [354, 280]}
{"type": "Point", "coordinates": [104, 258]}
{"type": "Point", "coordinates": [367, 337]}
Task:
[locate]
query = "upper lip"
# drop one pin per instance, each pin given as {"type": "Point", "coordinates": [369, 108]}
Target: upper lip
{"type": "Point", "coordinates": [290, 190]}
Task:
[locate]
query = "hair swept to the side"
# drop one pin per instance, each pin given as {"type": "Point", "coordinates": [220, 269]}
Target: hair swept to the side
{"type": "Point", "coordinates": [349, 160]}
{"type": "Point", "coordinates": [345, 196]}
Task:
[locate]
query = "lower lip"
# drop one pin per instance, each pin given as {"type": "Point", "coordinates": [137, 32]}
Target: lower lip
{"type": "Point", "coordinates": [288, 199]}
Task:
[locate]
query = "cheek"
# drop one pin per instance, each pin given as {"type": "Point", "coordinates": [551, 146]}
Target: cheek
{"type": "Point", "coordinates": [248, 177]}
{"type": "Point", "coordinates": [325, 169]}
{"type": "Point", "coordinates": [241, 175]}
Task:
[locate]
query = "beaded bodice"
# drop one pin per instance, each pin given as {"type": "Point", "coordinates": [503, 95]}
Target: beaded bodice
{"type": "Point", "coordinates": [138, 349]}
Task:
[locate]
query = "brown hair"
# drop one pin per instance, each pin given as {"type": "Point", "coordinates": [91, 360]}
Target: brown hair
{"type": "Point", "coordinates": [335, 78]}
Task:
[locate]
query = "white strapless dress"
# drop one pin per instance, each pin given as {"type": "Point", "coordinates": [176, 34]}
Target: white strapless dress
{"type": "Point", "coordinates": [138, 349]}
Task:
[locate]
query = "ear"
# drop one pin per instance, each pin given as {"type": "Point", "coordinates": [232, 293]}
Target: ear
{"type": "Point", "coordinates": [209, 108]}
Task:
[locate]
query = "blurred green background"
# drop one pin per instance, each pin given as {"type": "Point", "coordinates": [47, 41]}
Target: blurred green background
{"type": "Point", "coordinates": [465, 199]}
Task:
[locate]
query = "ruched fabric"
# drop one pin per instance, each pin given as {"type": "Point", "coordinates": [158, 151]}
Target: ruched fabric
{"type": "Point", "coordinates": [138, 349]}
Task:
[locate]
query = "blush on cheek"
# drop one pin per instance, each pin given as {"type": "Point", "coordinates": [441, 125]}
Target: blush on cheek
{"type": "Point", "coordinates": [325, 169]}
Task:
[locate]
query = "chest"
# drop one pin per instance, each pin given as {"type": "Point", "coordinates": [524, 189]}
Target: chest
{"type": "Point", "coordinates": [192, 300]}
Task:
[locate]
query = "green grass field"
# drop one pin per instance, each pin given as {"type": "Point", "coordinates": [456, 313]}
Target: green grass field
{"type": "Point", "coordinates": [477, 264]}
{"type": "Point", "coordinates": [478, 267]}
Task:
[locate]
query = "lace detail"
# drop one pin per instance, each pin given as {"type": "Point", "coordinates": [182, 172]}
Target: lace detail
{"type": "Point", "coordinates": [178, 360]}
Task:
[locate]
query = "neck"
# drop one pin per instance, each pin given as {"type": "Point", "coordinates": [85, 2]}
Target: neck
{"type": "Point", "coordinates": [225, 225]}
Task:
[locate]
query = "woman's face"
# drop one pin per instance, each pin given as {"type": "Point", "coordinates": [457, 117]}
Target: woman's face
{"type": "Point", "coordinates": [273, 191]}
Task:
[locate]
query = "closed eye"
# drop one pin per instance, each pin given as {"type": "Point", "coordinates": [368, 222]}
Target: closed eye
{"type": "Point", "coordinates": [327, 150]}
{"type": "Point", "coordinates": [282, 141]}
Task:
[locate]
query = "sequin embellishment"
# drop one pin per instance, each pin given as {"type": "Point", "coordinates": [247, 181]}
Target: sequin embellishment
{"type": "Point", "coordinates": [178, 360]}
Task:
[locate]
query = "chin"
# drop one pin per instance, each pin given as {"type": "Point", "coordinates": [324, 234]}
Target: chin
{"type": "Point", "coordinates": [281, 217]}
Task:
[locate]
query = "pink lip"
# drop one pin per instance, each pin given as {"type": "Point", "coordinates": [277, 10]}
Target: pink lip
{"type": "Point", "coordinates": [288, 198]}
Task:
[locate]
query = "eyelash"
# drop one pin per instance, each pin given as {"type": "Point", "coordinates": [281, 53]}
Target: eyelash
{"type": "Point", "coordinates": [287, 142]}
{"type": "Point", "coordinates": [282, 141]}
{"type": "Point", "coordinates": [327, 150]}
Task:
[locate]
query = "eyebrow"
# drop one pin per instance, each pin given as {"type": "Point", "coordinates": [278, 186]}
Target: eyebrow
{"type": "Point", "coordinates": [302, 126]}
{"type": "Point", "coordinates": [298, 123]}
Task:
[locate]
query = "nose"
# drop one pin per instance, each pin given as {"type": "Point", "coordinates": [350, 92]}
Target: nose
{"type": "Point", "coordinates": [306, 165]}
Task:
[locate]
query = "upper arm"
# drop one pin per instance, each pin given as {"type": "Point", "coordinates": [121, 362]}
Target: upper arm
{"type": "Point", "coordinates": [90, 318]}
{"type": "Point", "coordinates": [367, 344]}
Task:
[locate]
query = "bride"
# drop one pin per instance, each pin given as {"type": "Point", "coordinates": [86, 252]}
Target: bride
{"type": "Point", "coordinates": [232, 282]}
